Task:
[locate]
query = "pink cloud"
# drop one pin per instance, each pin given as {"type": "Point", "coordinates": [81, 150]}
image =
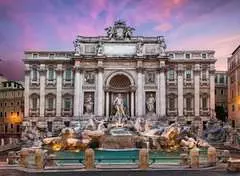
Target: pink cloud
{"type": "Point", "coordinates": [163, 27]}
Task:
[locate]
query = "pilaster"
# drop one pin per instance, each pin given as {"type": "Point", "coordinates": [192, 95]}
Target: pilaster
{"type": "Point", "coordinates": [42, 72]}
{"type": "Point", "coordinates": [26, 91]}
{"type": "Point", "coordinates": [180, 72]}
{"type": "Point", "coordinates": [197, 89]}
{"type": "Point", "coordinates": [77, 90]}
{"type": "Point", "coordinates": [59, 72]}
{"type": "Point", "coordinates": [139, 92]}
{"type": "Point", "coordinates": [212, 88]}
{"type": "Point", "coordinates": [100, 91]}
{"type": "Point", "coordinates": [162, 89]}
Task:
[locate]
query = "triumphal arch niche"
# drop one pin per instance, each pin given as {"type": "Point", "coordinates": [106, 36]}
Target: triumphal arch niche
{"type": "Point", "coordinates": [120, 75]}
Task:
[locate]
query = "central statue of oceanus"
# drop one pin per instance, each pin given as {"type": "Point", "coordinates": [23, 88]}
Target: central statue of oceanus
{"type": "Point", "coordinates": [119, 106]}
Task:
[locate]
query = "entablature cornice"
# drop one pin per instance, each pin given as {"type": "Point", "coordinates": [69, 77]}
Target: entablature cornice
{"type": "Point", "coordinates": [194, 61]}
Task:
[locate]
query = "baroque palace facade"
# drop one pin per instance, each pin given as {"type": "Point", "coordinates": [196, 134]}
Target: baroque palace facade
{"type": "Point", "coordinates": [64, 87]}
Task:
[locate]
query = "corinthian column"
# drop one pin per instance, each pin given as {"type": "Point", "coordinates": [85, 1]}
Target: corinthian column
{"type": "Point", "coordinates": [100, 92]}
{"type": "Point", "coordinates": [77, 89]}
{"type": "Point", "coordinates": [59, 90]}
{"type": "Point", "coordinates": [162, 89]}
{"type": "Point", "coordinates": [139, 92]}
{"type": "Point", "coordinates": [196, 88]}
{"type": "Point", "coordinates": [180, 90]}
{"type": "Point", "coordinates": [212, 88]}
{"type": "Point", "coordinates": [26, 90]}
{"type": "Point", "coordinates": [42, 89]}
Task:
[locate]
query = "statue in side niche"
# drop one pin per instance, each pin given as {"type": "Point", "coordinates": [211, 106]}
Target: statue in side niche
{"type": "Point", "coordinates": [150, 103]}
{"type": "Point", "coordinates": [89, 104]}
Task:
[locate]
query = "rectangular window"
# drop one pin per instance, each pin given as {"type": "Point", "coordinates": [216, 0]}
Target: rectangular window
{"type": "Point", "coordinates": [216, 79]}
{"type": "Point", "coordinates": [204, 55]}
{"type": "Point", "coordinates": [51, 56]}
{"type": "Point", "coordinates": [67, 104]}
{"type": "Point", "coordinates": [233, 108]}
{"type": "Point", "coordinates": [34, 74]}
{"type": "Point", "coordinates": [204, 103]}
{"type": "Point", "coordinates": [171, 55]}
{"type": "Point", "coordinates": [187, 56]}
{"type": "Point", "coordinates": [188, 75]}
{"type": "Point", "coordinates": [49, 125]}
{"type": "Point", "coordinates": [222, 92]}
{"type": "Point", "coordinates": [204, 75]}
{"type": "Point", "coordinates": [171, 75]}
{"type": "Point", "coordinates": [17, 113]}
{"type": "Point", "coordinates": [50, 103]}
{"type": "Point", "coordinates": [171, 103]}
{"type": "Point", "coordinates": [189, 103]}
{"type": "Point", "coordinates": [221, 80]}
{"type": "Point", "coordinates": [50, 74]}
{"type": "Point", "coordinates": [35, 55]}
{"type": "Point", "coordinates": [34, 103]}
{"type": "Point", "coordinates": [68, 74]}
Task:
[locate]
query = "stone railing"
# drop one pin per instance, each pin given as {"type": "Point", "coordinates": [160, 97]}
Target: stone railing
{"type": "Point", "coordinates": [38, 159]}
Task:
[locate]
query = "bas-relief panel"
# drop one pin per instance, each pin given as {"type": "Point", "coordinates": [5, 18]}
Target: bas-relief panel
{"type": "Point", "coordinates": [89, 77]}
{"type": "Point", "coordinates": [151, 49]}
{"type": "Point", "coordinates": [120, 64]}
{"type": "Point", "coordinates": [119, 49]}
{"type": "Point", "coordinates": [90, 49]}
{"type": "Point", "coordinates": [151, 64]}
{"type": "Point", "coordinates": [88, 64]}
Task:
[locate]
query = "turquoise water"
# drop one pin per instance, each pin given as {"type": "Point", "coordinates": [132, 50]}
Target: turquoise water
{"type": "Point", "coordinates": [123, 157]}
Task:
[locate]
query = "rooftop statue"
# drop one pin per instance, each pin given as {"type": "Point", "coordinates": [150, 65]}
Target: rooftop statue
{"type": "Point", "coordinates": [119, 31]}
{"type": "Point", "coordinates": [76, 44]}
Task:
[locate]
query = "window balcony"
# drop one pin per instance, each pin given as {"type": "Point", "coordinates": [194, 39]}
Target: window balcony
{"type": "Point", "coordinates": [51, 82]}
{"type": "Point", "coordinates": [67, 112]}
{"type": "Point", "coordinates": [50, 112]}
{"type": "Point", "coordinates": [188, 83]}
{"type": "Point", "coordinates": [204, 82]}
{"type": "Point", "coordinates": [172, 112]}
{"type": "Point", "coordinates": [204, 112]}
{"type": "Point", "coordinates": [35, 83]}
{"type": "Point", "coordinates": [188, 112]}
{"type": "Point", "coordinates": [171, 82]}
{"type": "Point", "coordinates": [34, 112]}
{"type": "Point", "coordinates": [68, 82]}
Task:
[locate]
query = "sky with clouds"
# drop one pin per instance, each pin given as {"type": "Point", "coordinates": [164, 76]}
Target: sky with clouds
{"type": "Point", "coordinates": [54, 24]}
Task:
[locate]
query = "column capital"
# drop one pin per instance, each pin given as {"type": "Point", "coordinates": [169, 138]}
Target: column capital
{"type": "Point", "coordinates": [212, 71]}
{"type": "Point", "coordinates": [162, 69]}
{"type": "Point", "coordinates": [140, 69]}
{"type": "Point", "coordinates": [59, 71]}
{"type": "Point", "coordinates": [78, 69]}
{"type": "Point", "coordinates": [27, 72]}
{"type": "Point", "coordinates": [100, 69]}
{"type": "Point", "coordinates": [42, 71]}
{"type": "Point", "coordinates": [196, 71]}
{"type": "Point", "coordinates": [180, 72]}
